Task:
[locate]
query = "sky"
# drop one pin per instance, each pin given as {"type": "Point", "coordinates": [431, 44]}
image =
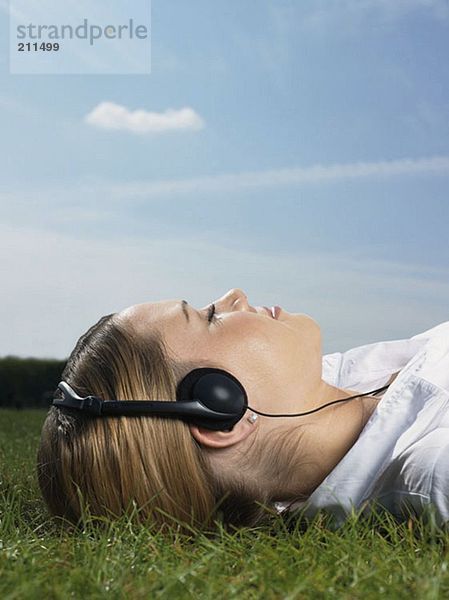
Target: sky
{"type": "Point", "coordinates": [298, 150]}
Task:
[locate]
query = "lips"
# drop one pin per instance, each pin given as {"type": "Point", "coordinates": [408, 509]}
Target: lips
{"type": "Point", "coordinates": [274, 311]}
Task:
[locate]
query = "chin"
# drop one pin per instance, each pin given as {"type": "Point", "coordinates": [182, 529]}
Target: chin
{"type": "Point", "coordinates": [307, 324]}
{"type": "Point", "coordinates": [304, 317]}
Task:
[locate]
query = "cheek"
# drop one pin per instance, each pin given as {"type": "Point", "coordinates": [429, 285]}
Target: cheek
{"type": "Point", "coordinates": [256, 348]}
{"type": "Point", "coordinates": [275, 355]}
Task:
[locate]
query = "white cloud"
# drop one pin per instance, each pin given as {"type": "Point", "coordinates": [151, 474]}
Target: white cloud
{"type": "Point", "coordinates": [108, 203]}
{"type": "Point", "coordinates": [117, 206]}
{"type": "Point", "coordinates": [314, 174]}
{"type": "Point", "coordinates": [108, 115]}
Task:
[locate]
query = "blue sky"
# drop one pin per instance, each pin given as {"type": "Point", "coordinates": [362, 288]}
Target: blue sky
{"type": "Point", "coordinates": [311, 169]}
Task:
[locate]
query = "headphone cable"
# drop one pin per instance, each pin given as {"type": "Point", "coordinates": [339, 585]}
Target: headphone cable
{"type": "Point", "coordinates": [314, 410]}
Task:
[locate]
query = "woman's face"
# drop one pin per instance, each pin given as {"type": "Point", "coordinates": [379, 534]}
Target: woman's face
{"type": "Point", "coordinates": [277, 360]}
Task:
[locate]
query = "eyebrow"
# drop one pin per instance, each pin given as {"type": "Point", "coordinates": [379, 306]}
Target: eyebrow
{"type": "Point", "coordinates": [184, 304]}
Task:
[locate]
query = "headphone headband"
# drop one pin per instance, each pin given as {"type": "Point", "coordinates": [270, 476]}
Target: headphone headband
{"type": "Point", "coordinates": [206, 397]}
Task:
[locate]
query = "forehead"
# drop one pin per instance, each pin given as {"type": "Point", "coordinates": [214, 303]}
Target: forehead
{"type": "Point", "coordinates": [152, 313]}
{"type": "Point", "coordinates": [147, 309]}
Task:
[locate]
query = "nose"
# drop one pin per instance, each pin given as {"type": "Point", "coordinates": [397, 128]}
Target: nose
{"type": "Point", "coordinates": [235, 299]}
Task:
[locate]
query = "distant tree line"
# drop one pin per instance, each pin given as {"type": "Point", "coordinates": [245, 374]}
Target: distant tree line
{"type": "Point", "coordinates": [28, 382]}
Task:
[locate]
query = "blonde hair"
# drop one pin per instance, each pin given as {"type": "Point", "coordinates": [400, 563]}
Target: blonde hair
{"type": "Point", "coordinates": [111, 465]}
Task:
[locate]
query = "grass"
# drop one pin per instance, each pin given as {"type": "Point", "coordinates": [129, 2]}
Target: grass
{"type": "Point", "coordinates": [40, 559]}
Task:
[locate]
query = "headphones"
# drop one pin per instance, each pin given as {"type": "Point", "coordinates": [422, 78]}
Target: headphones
{"type": "Point", "coordinates": [207, 397]}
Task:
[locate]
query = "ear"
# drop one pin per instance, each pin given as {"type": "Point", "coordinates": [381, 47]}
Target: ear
{"type": "Point", "coordinates": [223, 439]}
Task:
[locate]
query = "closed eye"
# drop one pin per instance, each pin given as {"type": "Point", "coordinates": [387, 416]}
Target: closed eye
{"type": "Point", "coordinates": [211, 316]}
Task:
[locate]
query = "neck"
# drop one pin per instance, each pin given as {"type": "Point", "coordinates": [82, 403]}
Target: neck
{"type": "Point", "coordinates": [329, 434]}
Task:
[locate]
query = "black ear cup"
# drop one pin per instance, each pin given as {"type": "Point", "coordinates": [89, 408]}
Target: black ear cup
{"type": "Point", "coordinates": [215, 389]}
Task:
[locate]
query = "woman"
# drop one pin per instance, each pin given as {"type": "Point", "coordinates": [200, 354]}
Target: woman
{"type": "Point", "coordinates": [347, 455]}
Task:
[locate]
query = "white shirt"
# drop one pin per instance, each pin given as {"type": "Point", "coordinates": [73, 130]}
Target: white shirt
{"type": "Point", "coordinates": [401, 459]}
